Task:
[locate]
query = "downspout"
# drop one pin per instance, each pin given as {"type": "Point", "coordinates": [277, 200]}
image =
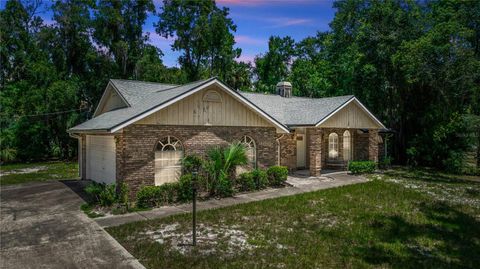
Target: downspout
{"type": "Point", "coordinates": [278, 148]}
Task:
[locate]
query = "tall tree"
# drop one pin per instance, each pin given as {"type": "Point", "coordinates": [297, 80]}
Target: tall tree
{"type": "Point", "coordinates": [119, 28]}
{"type": "Point", "coordinates": [73, 23]}
{"type": "Point", "coordinates": [274, 66]}
{"type": "Point", "coordinates": [203, 33]}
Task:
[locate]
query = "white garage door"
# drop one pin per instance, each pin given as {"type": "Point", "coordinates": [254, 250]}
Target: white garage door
{"type": "Point", "coordinates": [101, 158]}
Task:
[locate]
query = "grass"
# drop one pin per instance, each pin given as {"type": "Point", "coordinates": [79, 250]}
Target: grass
{"type": "Point", "coordinates": [47, 171]}
{"type": "Point", "coordinates": [401, 219]}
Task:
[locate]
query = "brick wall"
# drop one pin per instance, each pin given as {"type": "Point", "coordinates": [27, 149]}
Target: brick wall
{"type": "Point", "coordinates": [136, 153]}
{"type": "Point", "coordinates": [314, 149]}
{"type": "Point", "coordinates": [360, 146]}
{"type": "Point", "coordinates": [373, 145]}
{"type": "Point", "coordinates": [288, 151]}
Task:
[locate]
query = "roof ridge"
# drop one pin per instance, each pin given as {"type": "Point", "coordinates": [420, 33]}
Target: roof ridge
{"type": "Point", "coordinates": [186, 84]}
{"type": "Point", "coordinates": [146, 82]}
{"type": "Point", "coordinates": [297, 97]}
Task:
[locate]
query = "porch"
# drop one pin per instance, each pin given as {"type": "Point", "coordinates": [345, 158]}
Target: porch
{"type": "Point", "coordinates": [328, 149]}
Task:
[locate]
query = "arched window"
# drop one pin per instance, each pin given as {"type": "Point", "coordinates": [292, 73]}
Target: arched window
{"type": "Point", "coordinates": [333, 146]}
{"type": "Point", "coordinates": [168, 156]}
{"type": "Point", "coordinates": [250, 150]}
{"type": "Point", "coordinates": [347, 146]}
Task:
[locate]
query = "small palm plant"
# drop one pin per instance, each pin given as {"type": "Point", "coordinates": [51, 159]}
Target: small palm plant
{"type": "Point", "coordinates": [223, 162]}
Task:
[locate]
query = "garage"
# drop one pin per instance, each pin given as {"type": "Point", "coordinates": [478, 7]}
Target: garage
{"type": "Point", "coordinates": [101, 158]}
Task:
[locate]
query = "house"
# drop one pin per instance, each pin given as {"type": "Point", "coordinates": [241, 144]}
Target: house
{"type": "Point", "coordinates": [141, 130]}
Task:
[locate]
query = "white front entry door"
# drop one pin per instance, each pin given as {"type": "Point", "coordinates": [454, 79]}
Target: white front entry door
{"type": "Point", "coordinates": [301, 150]}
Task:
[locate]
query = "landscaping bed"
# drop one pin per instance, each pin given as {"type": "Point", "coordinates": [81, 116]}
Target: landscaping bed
{"type": "Point", "coordinates": [400, 219]}
{"type": "Point", "coordinates": [212, 176]}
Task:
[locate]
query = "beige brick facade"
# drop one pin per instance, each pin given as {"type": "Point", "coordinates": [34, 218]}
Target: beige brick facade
{"type": "Point", "coordinates": [136, 147]}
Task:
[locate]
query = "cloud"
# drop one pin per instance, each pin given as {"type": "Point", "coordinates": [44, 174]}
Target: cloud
{"type": "Point", "coordinates": [285, 22]}
{"type": "Point", "coordinates": [262, 2]}
{"type": "Point", "coordinates": [275, 21]}
{"type": "Point", "coordinates": [244, 39]}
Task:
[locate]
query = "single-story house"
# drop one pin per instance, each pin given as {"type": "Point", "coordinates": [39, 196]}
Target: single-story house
{"type": "Point", "coordinates": [141, 130]}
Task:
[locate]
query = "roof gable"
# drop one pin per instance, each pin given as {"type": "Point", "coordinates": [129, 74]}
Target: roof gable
{"type": "Point", "coordinates": [211, 106]}
{"type": "Point", "coordinates": [189, 89]}
{"type": "Point", "coordinates": [352, 114]}
{"type": "Point", "coordinates": [144, 98]}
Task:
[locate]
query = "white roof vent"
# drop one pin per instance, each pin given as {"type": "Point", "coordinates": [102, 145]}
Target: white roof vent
{"type": "Point", "coordinates": [284, 89]}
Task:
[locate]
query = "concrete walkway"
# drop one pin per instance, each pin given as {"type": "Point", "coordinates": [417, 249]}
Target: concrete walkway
{"type": "Point", "coordinates": [41, 226]}
{"type": "Point", "coordinates": [299, 182]}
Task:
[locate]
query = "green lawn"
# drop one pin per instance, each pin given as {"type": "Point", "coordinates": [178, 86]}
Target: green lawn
{"type": "Point", "coordinates": [398, 220]}
{"type": "Point", "coordinates": [35, 172]}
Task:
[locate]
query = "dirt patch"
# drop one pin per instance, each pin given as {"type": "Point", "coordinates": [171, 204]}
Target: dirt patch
{"type": "Point", "coordinates": [23, 170]}
{"type": "Point", "coordinates": [210, 239]}
{"type": "Point", "coordinates": [450, 193]}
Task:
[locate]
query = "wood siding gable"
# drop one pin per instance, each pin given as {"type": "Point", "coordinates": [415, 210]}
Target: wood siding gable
{"type": "Point", "coordinates": [208, 107]}
{"type": "Point", "coordinates": [351, 116]}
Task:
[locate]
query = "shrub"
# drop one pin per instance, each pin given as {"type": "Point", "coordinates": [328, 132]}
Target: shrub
{"type": "Point", "coordinates": [192, 163]}
{"type": "Point", "coordinates": [102, 194]}
{"type": "Point", "coordinates": [246, 181]}
{"type": "Point", "coordinates": [224, 187]}
{"type": "Point", "coordinates": [277, 175]}
{"type": "Point", "coordinates": [184, 193]}
{"type": "Point", "coordinates": [386, 162]}
{"type": "Point", "coordinates": [261, 179]}
{"type": "Point", "coordinates": [360, 167]}
{"type": "Point", "coordinates": [148, 196]}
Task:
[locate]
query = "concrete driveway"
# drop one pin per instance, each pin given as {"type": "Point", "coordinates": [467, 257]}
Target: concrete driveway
{"type": "Point", "coordinates": [41, 226]}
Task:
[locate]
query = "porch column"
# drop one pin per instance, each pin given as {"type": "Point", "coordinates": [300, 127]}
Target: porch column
{"type": "Point", "coordinates": [372, 145]}
{"type": "Point", "coordinates": [82, 161]}
{"type": "Point", "coordinates": [314, 136]}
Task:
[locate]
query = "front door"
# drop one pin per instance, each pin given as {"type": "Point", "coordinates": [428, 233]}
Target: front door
{"type": "Point", "coordinates": [301, 150]}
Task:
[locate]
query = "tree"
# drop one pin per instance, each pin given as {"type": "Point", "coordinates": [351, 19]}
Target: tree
{"type": "Point", "coordinates": [119, 28]}
{"type": "Point", "coordinates": [312, 72]}
{"type": "Point", "coordinates": [274, 66]}
{"type": "Point", "coordinates": [72, 25]}
{"type": "Point", "coordinates": [203, 32]}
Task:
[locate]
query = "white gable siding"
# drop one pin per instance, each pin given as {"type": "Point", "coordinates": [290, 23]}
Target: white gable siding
{"type": "Point", "coordinates": [110, 101]}
{"type": "Point", "coordinates": [351, 116]}
{"type": "Point", "coordinates": [204, 108]}
{"type": "Point", "coordinates": [101, 158]}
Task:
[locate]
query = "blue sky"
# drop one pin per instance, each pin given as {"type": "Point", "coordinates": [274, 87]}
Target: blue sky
{"type": "Point", "coordinates": [256, 21]}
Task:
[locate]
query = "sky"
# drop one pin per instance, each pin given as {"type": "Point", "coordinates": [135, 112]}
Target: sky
{"type": "Point", "coordinates": [256, 21]}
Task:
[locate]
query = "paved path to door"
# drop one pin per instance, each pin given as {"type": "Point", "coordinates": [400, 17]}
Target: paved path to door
{"type": "Point", "coordinates": [300, 184]}
{"type": "Point", "coordinates": [41, 226]}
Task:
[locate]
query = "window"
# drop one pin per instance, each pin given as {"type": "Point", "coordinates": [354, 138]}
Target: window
{"type": "Point", "coordinates": [333, 146]}
{"type": "Point", "coordinates": [250, 150]}
{"type": "Point", "coordinates": [347, 146]}
{"type": "Point", "coordinates": [168, 156]}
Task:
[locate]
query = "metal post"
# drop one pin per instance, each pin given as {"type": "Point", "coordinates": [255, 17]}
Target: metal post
{"type": "Point", "coordinates": [194, 209]}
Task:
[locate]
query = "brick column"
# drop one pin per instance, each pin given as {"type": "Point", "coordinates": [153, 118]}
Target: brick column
{"type": "Point", "coordinates": [83, 155]}
{"type": "Point", "coordinates": [314, 138]}
{"type": "Point", "coordinates": [373, 145]}
{"type": "Point", "coordinates": [119, 157]}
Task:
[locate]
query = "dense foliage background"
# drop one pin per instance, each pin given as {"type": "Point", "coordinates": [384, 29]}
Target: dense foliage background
{"type": "Point", "coordinates": [416, 65]}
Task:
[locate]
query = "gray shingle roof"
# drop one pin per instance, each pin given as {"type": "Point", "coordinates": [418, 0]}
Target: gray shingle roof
{"type": "Point", "coordinates": [142, 97]}
{"type": "Point", "coordinates": [134, 91]}
{"type": "Point", "coordinates": [145, 96]}
{"type": "Point", "coordinates": [296, 110]}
